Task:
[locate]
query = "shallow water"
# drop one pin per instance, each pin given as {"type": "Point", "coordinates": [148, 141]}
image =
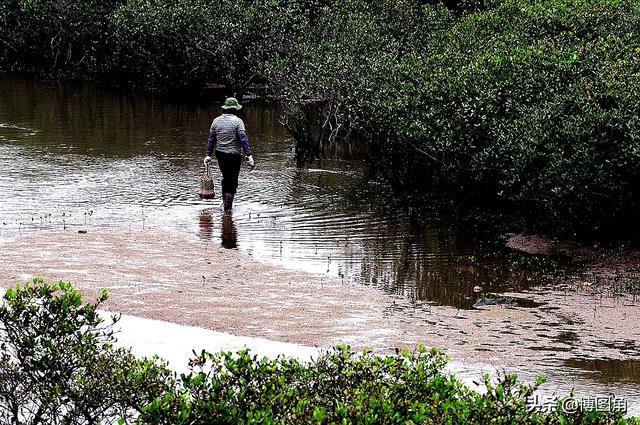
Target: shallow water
{"type": "Point", "coordinates": [78, 155]}
{"type": "Point", "coordinates": [73, 156]}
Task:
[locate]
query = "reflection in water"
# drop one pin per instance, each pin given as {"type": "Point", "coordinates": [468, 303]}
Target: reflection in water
{"type": "Point", "coordinates": [228, 229]}
{"type": "Point", "coordinates": [609, 370]}
{"type": "Point", "coordinates": [229, 232]}
{"type": "Point", "coordinates": [205, 230]}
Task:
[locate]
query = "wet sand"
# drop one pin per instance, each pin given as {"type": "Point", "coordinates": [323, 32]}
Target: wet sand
{"type": "Point", "coordinates": [160, 275]}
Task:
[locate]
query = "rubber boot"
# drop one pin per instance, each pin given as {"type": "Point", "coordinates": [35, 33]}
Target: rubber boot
{"type": "Point", "coordinates": [231, 196]}
{"type": "Point", "coordinates": [227, 200]}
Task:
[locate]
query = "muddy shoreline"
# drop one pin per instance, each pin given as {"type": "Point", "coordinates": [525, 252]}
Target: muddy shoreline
{"type": "Point", "coordinates": [164, 275]}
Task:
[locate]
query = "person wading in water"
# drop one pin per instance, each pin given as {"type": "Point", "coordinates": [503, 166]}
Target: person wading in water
{"type": "Point", "coordinates": [229, 139]}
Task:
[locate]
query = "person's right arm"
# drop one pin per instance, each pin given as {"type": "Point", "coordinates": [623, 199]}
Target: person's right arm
{"type": "Point", "coordinates": [244, 143]}
{"type": "Point", "coordinates": [211, 144]}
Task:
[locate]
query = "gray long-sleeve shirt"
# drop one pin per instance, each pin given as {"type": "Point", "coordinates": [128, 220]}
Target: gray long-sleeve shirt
{"type": "Point", "coordinates": [228, 135]}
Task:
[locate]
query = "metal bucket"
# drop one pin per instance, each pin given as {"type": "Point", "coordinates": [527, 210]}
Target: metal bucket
{"type": "Point", "coordinates": [207, 190]}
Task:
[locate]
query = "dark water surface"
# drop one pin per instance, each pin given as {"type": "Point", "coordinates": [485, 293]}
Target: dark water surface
{"type": "Point", "coordinates": [73, 155]}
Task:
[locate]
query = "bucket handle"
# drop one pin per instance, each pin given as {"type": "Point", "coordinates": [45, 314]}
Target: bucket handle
{"type": "Point", "coordinates": [207, 170]}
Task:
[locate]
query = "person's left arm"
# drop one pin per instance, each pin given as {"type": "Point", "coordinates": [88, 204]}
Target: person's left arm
{"type": "Point", "coordinates": [244, 142]}
{"type": "Point", "coordinates": [243, 138]}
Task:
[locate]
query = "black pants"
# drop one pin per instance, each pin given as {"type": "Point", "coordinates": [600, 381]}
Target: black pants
{"type": "Point", "coordinates": [229, 164]}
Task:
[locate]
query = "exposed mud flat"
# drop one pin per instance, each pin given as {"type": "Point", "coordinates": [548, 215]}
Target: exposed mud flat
{"type": "Point", "coordinates": [167, 276]}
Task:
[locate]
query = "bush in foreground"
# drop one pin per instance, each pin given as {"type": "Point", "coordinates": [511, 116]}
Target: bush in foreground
{"type": "Point", "coordinates": [59, 366]}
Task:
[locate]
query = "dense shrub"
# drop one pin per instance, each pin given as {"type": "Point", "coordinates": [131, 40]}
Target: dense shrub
{"type": "Point", "coordinates": [58, 365]}
{"type": "Point", "coordinates": [540, 108]}
{"type": "Point", "coordinates": [532, 103]}
{"type": "Point", "coordinates": [338, 387]}
{"type": "Point", "coordinates": [330, 78]}
{"type": "Point", "coordinates": [344, 387]}
{"type": "Point", "coordinates": [163, 45]}
{"type": "Point", "coordinates": [159, 44]}
{"type": "Point", "coordinates": [58, 38]}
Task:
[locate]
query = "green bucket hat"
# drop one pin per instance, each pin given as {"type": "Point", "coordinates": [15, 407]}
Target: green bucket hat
{"type": "Point", "coordinates": [231, 103]}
